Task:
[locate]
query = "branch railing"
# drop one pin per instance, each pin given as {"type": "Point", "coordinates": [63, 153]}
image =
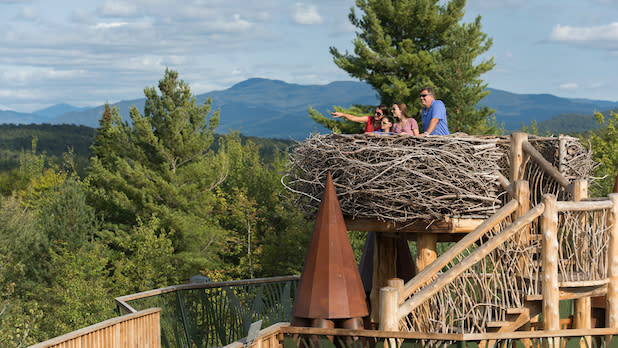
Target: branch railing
{"type": "Point", "coordinates": [495, 268]}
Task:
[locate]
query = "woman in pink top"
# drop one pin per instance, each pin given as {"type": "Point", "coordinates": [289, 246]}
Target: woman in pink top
{"type": "Point", "coordinates": [406, 123]}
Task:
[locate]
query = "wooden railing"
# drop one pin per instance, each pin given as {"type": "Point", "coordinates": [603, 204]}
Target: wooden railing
{"type": "Point", "coordinates": [554, 247]}
{"type": "Point", "coordinates": [284, 335]}
{"type": "Point", "coordinates": [137, 330]}
{"type": "Point", "coordinates": [214, 314]}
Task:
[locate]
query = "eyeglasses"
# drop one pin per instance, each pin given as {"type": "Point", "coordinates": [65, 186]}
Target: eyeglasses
{"type": "Point", "coordinates": [424, 95]}
{"type": "Point", "coordinates": [378, 113]}
{"type": "Point", "coordinates": [385, 122]}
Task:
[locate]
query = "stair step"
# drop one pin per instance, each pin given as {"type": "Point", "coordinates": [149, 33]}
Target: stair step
{"type": "Point", "coordinates": [498, 323]}
{"type": "Point", "coordinates": [517, 310]}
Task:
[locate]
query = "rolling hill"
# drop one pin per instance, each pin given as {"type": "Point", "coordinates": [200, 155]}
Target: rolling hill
{"type": "Point", "coordinates": [276, 109]}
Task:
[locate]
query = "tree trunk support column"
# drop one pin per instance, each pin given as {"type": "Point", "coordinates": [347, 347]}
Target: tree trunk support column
{"type": "Point", "coordinates": [427, 249]}
{"type": "Point", "coordinates": [517, 155]}
{"type": "Point", "coordinates": [551, 298]}
{"type": "Point", "coordinates": [582, 318]}
{"type": "Point", "coordinates": [612, 288]}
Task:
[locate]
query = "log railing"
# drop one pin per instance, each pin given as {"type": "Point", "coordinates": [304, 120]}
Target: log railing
{"type": "Point", "coordinates": [284, 335]}
{"type": "Point", "coordinates": [494, 269]}
{"type": "Point", "coordinates": [140, 329]}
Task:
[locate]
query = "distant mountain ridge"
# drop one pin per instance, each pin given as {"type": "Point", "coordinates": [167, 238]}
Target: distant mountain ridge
{"type": "Point", "coordinates": [277, 109]}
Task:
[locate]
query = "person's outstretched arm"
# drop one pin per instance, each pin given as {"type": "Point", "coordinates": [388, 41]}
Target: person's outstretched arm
{"type": "Point", "coordinates": [359, 119]}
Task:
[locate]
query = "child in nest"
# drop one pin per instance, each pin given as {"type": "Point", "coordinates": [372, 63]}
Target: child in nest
{"type": "Point", "coordinates": [386, 123]}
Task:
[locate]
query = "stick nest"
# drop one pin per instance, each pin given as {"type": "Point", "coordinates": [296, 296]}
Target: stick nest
{"type": "Point", "coordinates": [402, 178]}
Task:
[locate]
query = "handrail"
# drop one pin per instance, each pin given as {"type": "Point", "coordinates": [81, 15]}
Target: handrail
{"type": "Point", "coordinates": [134, 329]}
{"type": "Point", "coordinates": [281, 330]}
{"type": "Point", "coordinates": [583, 205]}
{"type": "Point", "coordinates": [438, 284]}
{"type": "Point", "coordinates": [122, 300]}
{"type": "Point", "coordinates": [432, 270]}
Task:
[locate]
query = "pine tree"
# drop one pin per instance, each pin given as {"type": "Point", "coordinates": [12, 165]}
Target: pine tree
{"type": "Point", "coordinates": [162, 166]}
{"type": "Point", "coordinates": [405, 45]}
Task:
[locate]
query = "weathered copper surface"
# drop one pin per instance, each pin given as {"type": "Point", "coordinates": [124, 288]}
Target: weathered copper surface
{"type": "Point", "coordinates": [330, 285]}
{"type": "Point", "coordinates": [616, 185]}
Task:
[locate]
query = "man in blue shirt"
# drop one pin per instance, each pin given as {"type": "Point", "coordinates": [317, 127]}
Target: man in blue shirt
{"type": "Point", "coordinates": [433, 115]}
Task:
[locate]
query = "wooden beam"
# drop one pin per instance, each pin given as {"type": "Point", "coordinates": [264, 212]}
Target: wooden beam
{"type": "Point", "coordinates": [449, 225]}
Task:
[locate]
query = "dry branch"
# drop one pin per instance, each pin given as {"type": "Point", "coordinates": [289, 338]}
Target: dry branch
{"type": "Point", "coordinates": [402, 178]}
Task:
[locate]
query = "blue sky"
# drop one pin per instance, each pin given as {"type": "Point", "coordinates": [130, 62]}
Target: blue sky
{"type": "Point", "coordinates": [87, 52]}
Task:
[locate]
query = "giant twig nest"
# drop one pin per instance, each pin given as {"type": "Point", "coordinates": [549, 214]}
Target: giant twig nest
{"type": "Point", "coordinates": [402, 178]}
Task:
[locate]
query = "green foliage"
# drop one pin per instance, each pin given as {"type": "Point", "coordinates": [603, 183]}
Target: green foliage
{"type": "Point", "coordinates": [267, 235]}
{"type": "Point", "coordinates": [604, 144]}
{"type": "Point", "coordinates": [78, 294]}
{"type": "Point", "coordinates": [162, 202]}
{"type": "Point", "coordinates": [53, 140]}
{"type": "Point", "coordinates": [403, 45]}
{"type": "Point", "coordinates": [145, 260]}
{"type": "Point", "coordinates": [17, 319]}
{"type": "Point", "coordinates": [490, 127]}
{"type": "Point", "coordinates": [162, 167]}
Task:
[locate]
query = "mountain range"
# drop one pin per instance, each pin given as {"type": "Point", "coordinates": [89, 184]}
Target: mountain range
{"type": "Point", "coordinates": [276, 109]}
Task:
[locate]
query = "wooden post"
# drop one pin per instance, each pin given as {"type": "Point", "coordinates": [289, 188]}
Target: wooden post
{"type": "Point", "coordinates": [582, 309]}
{"type": "Point", "coordinates": [551, 299]}
{"type": "Point", "coordinates": [517, 155]}
{"type": "Point", "coordinates": [384, 268]}
{"type": "Point", "coordinates": [388, 312]}
{"type": "Point", "coordinates": [612, 287]}
{"type": "Point", "coordinates": [521, 193]}
{"type": "Point", "coordinates": [426, 246]}
{"type": "Point", "coordinates": [388, 309]}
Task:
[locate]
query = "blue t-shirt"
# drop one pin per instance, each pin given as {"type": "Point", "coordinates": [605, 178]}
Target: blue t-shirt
{"type": "Point", "coordinates": [436, 110]}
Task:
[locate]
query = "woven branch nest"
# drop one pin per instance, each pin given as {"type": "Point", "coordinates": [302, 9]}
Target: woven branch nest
{"type": "Point", "coordinates": [402, 178]}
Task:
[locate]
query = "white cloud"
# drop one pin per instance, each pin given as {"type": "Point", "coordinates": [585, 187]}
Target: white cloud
{"type": "Point", "coordinates": [117, 9]}
{"type": "Point", "coordinates": [569, 86]}
{"type": "Point", "coordinates": [17, 94]}
{"type": "Point", "coordinates": [306, 14]}
{"type": "Point", "coordinates": [496, 4]}
{"type": "Point", "coordinates": [237, 24]}
{"type": "Point", "coordinates": [604, 33]}
{"type": "Point", "coordinates": [26, 75]}
{"type": "Point", "coordinates": [110, 25]}
{"type": "Point", "coordinates": [29, 12]}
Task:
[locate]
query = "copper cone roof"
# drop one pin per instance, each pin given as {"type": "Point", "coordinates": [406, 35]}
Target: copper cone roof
{"type": "Point", "coordinates": [330, 285]}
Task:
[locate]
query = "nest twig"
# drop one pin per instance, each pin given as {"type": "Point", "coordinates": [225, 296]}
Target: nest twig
{"type": "Point", "coordinates": [402, 178]}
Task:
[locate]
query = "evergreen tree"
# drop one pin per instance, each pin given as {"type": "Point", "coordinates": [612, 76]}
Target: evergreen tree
{"type": "Point", "coordinates": [161, 166]}
{"type": "Point", "coordinates": [405, 45]}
